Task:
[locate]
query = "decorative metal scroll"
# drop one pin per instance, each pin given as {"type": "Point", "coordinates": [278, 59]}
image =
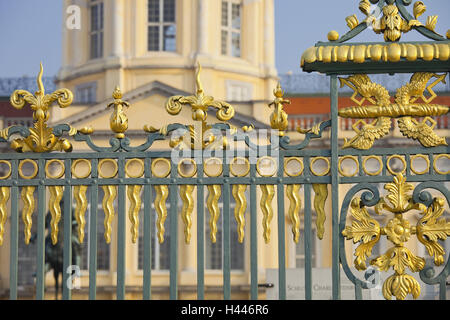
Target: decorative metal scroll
{"type": "Point", "coordinates": [365, 230]}
{"type": "Point", "coordinates": [391, 18]}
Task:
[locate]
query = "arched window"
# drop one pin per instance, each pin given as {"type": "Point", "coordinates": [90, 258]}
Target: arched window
{"type": "Point", "coordinates": [161, 26]}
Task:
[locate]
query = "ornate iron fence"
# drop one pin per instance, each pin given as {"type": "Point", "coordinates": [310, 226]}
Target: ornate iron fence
{"type": "Point", "coordinates": [227, 160]}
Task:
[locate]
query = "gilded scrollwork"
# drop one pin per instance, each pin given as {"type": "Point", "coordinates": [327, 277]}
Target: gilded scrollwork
{"type": "Point", "coordinates": [41, 138]}
{"type": "Point", "coordinates": [404, 109]}
{"type": "Point", "coordinates": [199, 103]}
{"type": "Point", "coordinates": [391, 18]}
{"type": "Point", "coordinates": [367, 231]}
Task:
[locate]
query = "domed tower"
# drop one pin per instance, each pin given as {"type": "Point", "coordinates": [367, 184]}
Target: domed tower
{"type": "Point", "coordinates": [145, 45]}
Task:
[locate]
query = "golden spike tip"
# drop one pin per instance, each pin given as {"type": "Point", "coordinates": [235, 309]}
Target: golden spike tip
{"type": "Point", "coordinates": [199, 84]}
{"type": "Point", "coordinates": [40, 85]}
{"type": "Point", "coordinates": [278, 92]}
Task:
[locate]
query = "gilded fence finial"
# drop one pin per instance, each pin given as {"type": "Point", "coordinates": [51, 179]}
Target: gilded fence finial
{"type": "Point", "coordinates": [199, 104]}
{"type": "Point", "coordinates": [41, 138]}
{"type": "Point", "coordinates": [279, 118]}
{"type": "Point", "coordinates": [119, 120]}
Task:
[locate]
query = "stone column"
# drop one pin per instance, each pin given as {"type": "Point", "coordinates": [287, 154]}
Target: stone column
{"type": "Point", "coordinates": [202, 30]}
{"type": "Point", "coordinates": [117, 28]}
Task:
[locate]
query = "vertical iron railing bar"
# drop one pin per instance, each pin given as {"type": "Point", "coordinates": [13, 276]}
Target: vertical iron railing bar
{"type": "Point", "coordinates": [281, 231]}
{"type": "Point", "coordinates": [443, 289]}
{"type": "Point", "coordinates": [148, 223]}
{"type": "Point", "coordinates": [336, 290]}
{"type": "Point", "coordinates": [408, 165]}
{"type": "Point", "coordinates": [93, 231]}
{"type": "Point", "coordinates": [384, 164]}
{"type": "Point", "coordinates": [226, 264]}
{"type": "Point", "coordinates": [40, 262]}
{"type": "Point", "coordinates": [173, 196]}
{"type": "Point", "coordinates": [67, 216]}
{"type": "Point", "coordinates": [308, 241]}
{"type": "Point", "coordinates": [253, 238]}
{"type": "Point", "coordinates": [430, 158]}
{"type": "Point", "coordinates": [200, 234]}
{"type": "Point", "coordinates": [360, 166]}
{"type": "Point", "coordinates": [358, 291]}
{"type": "Point", "coordinates": [14, 229]}
{"type": "Point", "coordinates": [307, 222]}
{"type": "Point", "coordinates": [121, 235]}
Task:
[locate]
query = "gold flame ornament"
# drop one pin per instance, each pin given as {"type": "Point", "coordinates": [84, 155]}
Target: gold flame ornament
{"type": "Point", "coordinates": [119, 120]}
{"type": "Point", "coordinates": [41, 138]}
{"type": "Point", "coordinates": [279, 118]}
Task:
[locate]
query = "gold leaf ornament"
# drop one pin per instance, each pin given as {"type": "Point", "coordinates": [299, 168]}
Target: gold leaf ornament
{"type": "Point", "coordinates": [352, 21]}
{"type": "Point", "coordinates": [365, 230]}
{"type": "Point", "coordinates": [400, 286]}
{"type": "Point", "coordinates": [419, 9]}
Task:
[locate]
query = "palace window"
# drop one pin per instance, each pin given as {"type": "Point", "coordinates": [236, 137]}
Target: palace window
{"type": "Point", "coordinates": [161, 25]}
{"type": "Point", "coordinates": [86, 93]}
{"type": "Point", "coordinates": [231, 28]}
{"type": "Point", "coordinates": [96, 29]}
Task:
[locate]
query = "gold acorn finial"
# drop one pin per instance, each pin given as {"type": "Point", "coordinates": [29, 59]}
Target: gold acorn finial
{"type": "Point", "coordinates": [117, 94]}
{"type": "Point", "coordinates": [278, 119]}
{"type": "Point", "coordinates": [118, 120]}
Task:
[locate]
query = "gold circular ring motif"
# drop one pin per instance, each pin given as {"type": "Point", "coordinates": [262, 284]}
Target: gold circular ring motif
{"type": "Point", "coordinates": [298, 160]}
{"type": "Point", "coordinates": [444, 155]}
{"type": "Point", "coordinates": [355, 159]}
{"type": "Point", "coordinates": [155, 163]}
{"type": "Point", "coordinates": [260, 171]}
{"type": "Point", "coordinates": [34, 165]}
{"type": "Point", "coordinates": [47, 169]}
{"type": "Point", "coordinates": [327, 161]}
{"type": "Point", "coordinates": [8, 174]}
{"type": "Point", "coordinates": [388, 166]}
{"type": "Point", "coordinates": [380, 161]}
{"type": "Point", "coordinates": [76, 163]}
{"type": "Point", "coordinates": [180, 172]}
{"type": "Point", "coordinates": [140, 172]}
{"type": "Point", "coordinates": [421, 156]}
{"type": "Point", "coordinates": [102, 163]}
{"type": "Point", "coordinates": [247, 169]}
{"type": "Point", "coordinates": [210, 173]}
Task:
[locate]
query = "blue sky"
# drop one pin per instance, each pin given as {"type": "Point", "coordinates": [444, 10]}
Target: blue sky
{"type": "Point", "coordinates": [31, 31]}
